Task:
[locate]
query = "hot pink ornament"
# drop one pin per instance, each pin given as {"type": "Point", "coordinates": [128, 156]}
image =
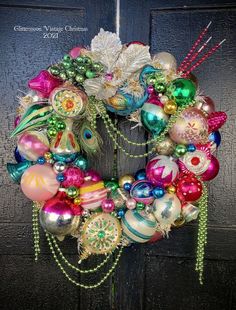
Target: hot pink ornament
{"type": "Point", "coordinates": [39, 183]}
{"type": "Point", "coordinates": [44, 83]}
{"type": "Point", "coordinates": [75, 52]}
{"type": "Point", "coordinates": [94, 175]}
{"type": "Point", "coordinates": [189, 188]}
{"type": "Point", "coordinates": [108, 205]}
{"type": "Point", "coordinates": [17, 121]}
{"type": "Point", "coordinates": [153, 98]}
{"type": "Point", "coordinates": [212, 170]}
{"type": "Point", "coordinates": [73, 177]}
{"type": "Point", "coordinates": [161, 170]}
{"type": "Point", "coordinates": [216, 120]}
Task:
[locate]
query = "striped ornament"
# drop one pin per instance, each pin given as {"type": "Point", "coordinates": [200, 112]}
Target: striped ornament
{"type": "Point", "coordinates": [92, 194]}
{"type": "Point", "coordinates": [138, 226]}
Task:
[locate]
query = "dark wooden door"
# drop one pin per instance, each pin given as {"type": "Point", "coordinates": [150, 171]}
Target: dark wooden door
{"type": "Point", "coordinates": [158, 276]}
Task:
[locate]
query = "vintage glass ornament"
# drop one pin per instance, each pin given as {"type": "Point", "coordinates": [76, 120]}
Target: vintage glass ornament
{"type": "Point", "coordinates": [158, 192]}
{"type": "Point", "coordinates": [81, 162]}
{"type": "Point", "coordinates": [131, 203]}
{"type": "Point", "coordinates": [33, 144]}
{"type": "Point", "coordinates": [58, 218]}
{"type": "Point", "coordinates": [92, 194]}
{"type": "Point", "coordinates": [190, 212]}
{"type": "Point", "coordinates": [165, 60]}
{"type": "Point", "coordinates": [182, 91]}
{"type": "Point", "coordinates": [166, 210]}
{"type": "Point", "coordinates": [153, 118]}
{"type": "Point", "coordinates": [101, 233]}
{"type": "Point", "coordinates": [111, 185]}
{"type": "Point", "coordinates": [59, 167]}
{"type": "Point", "coordinates": [188, 188]}
{"type": "Point", "coordinates": [212, 170]}
{"type": "Point", "coordinates": [108, 205]}
{"type": "Point", "coordinates": [73, 177]}
{"type": "Point", "coordinates": [140, 175]}
{"type": "Point", "coordinates": [216, 120]}
{"type": "Point", "coordinates": [141, 191]}
{"type": "Point", "coordinates": [170, 107]}
{"type": "Point", "coordinates": [180, 150]}
{"type": "Point", "coordinates": [138, 226]}
{"type": "Point", "coordinates": [190, 127]}
{"type": "Point", "coordinates": [72, 192]}
{"type": "Point", "coordinates": [119, 197]}
{"type": "Point", "coordinates": [127, 178]}
{"type": "Point", "coordinates": [16, 170]}
{"type": "Point", "coordinates": [206, 104]}
{"type": "Point", "coordinates": [39, 183]}
{"type": "Point", "coordinates": [161, 170]}
{"type": "Point", "coordinates": [215, 137]}
{"type": "Point", "coordinates": [18, 157]}
{"type": "Point", "coordinates": [165, 147]}
{"type": "Point", "coordinates": [93, 175]}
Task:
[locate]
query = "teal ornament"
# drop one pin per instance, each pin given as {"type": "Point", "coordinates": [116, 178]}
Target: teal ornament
{"type": "Point", "coordinates": [81, 162]}
{"type": "Point", "coordinates": [153, 118]}
{"type": "Point", "coordinates": [66, 158]}
{"type": "Point", "coordinates": [182, 91]}
{"type": "Point", "coordinates": [16, 170]}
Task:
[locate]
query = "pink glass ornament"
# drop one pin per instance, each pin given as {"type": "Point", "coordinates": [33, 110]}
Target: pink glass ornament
{"type": "Point", "coordinates": [108, 205]}
{"type": "Point", "coordinates": [150, 89]}
{"type": "Point", "coordinates": [44, 83]}
{"type": "Point", "coordinates": [75, 52]}
{"type": "Point", "coordinates": [155, 100]}
{"type": "Point", "coordinates": [161, 170]}
{"type": "Point", "coordinates": [94, 175]}
{"type": "Point", "coordinates": [216, 120]}
{"type": "Point", "coordinates": [17, 121]}
{"type": "Point", "coordinates": [39, 183]}
{"type": "Point", "coordinates": [207, 105]}
{"type": "Point", "coordinates": [189, 188]}
{"type": "Point", "coordinates": [212, 170]}
{"type": "Point", "coordinates": [156, 237]}
{"type": "Point", "coordinates": [190, 127]}
{"type": "Point", "coordinates": [73, 177]}
{"type": "Point", "coordinates": [130, 203]}
{"type": "Point", "coordinates": [33, 144]}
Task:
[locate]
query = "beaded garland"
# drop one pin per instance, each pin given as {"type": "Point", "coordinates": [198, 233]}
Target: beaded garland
{"type": "Point", "coordinates": [57, 132]}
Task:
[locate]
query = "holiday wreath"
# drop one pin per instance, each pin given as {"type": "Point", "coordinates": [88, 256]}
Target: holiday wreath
{"type": "Point", "coordinates": [56, 129]}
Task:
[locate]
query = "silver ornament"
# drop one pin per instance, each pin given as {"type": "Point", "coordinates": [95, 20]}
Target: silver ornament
{"type": "Point", "coordinates": [59, 167]}
{"type": "Point", "coordinates": [165, 61]}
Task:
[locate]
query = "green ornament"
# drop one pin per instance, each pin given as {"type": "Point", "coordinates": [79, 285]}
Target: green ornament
{"type": "Point", "coordinates": [90, 74]}
{"type": "Point", "coordinates": [66, 57]}
{"type": "Point", "coordinates": [101, 234]}
{"type": "Point", "coordinates": [63, 75]}
{"type": "Point", "coordinates": [60, 126]}
{"type": "Point", "coordinates": [52, 132]}
{"type": "Point", "coordinates": [159, 87]}
{"type": "Point", "coordinates": [79, 78]}
{"type": "Point", "coordinates": [54, 70]}
{"type": "Point", "coordinates": [79, 60]}
{"type": "Point", "coordinates": [97, 66]}
{"type": "Point", "coordinates": [67, 64]}
{"type": "Point", "coordinates": [182, 91]}
{"type": "Point", "coordinates": [81, 69]}
{"type": "Point", "coordinates": [81, 162]}
{"type": "Point", "coordinates": [140, 206]}
{"type": "Point", "coordinates": [71, 73]}
{"type": "Point", "coordinates": [151, 79]}
{"type": "Point", "coordinates": [52, 120]}
{"type": "Point", "coordinates": [180, 150]}
{"type": "Point", "coordinates": [72, 192]}
{"type": "Point", "coordinates": [87, 60]}
{"type": "Point", "coordinates": [112, 185]}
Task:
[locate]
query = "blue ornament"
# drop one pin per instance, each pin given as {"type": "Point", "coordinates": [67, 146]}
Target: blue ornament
{"type": "Point", "coordinates": [41, 160]}
{"type": "Point", "coordinates": [158, 192]}
{"type": "Point", "coordinates": [18, 157]}
{"type": "Point", "coordinates": [141, 191]}
{"type": "Point", "coordinates": [66, 158]}
{"type": "Point", "coordinates": [121, 213]}
{"type": "Point", "coordinates": [215, 137]}
{"type": "Point", "coordinates": [191, 148]}
{"type": "Point", "coordinates": [127, 186]}
{"type": "Point", "coordinates": [140, 174]}
{"type": "Point", "coordinates": [60, 177]}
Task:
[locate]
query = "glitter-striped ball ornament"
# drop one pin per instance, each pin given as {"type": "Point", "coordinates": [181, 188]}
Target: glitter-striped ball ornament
{"type": "Point", "coordinates": [92, 194]}
{"type": "Point", "coordinates": [138, 226]}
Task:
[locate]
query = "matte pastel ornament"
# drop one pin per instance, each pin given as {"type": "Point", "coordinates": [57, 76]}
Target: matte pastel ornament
{"type": "Point", "coordinates": [138, 226]}
{"type": "Point", "coordinates": [165, 61]}
{"type": "Point", "coordinates": [39, 183]}
{"type": "Point", "coordinates": [215, 137]}
{"type": "Point", "coordinates": [33, 144]}
{"type": "Point", "coordinates": [44, 83]}
{"type": "Point", "coordinates": [216, 120]}
{"type": "Point", "coordinates": [18, 157]}
{"type": "Point", "coordinates": [165, 147]}
{"type": "Point", "coordinates": [93, 175]}
{"type": "Point", "coordinates": [190, 127]}
{"type": "Point", "coordinates": [206, 104]}
{"type": "Point", "coordinates": [153, 118]}
{"type": "Point", "coordinates": [108, 205]}
{"type": "Point", "coordinates": [131, 203]}
{"type": "Point", "coordinates": [212, 170]}
{"type": "Point", "coordinates": [16, 170]}
{"type": "Point", "coordinates": [189, 188]}
{"type": "Point", "coordinates": [73, 177]}
{"type": "Point", "coordinates": [141, 191]}
{"type": "Point", "coordinates": [162, 170]}
{"type": "Point", "coordinates": [92, 194]}
{"type": "Point", "coordinates": [140, 174]}
{"type": "Point", "coordinates": [182, 91]}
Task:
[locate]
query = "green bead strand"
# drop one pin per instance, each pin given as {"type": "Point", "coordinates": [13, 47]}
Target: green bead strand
{"type": "Point", "coordinates": [36, 235]}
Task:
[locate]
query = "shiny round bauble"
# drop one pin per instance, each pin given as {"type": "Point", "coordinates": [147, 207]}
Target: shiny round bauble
{"type": "Point", "coordinates": [158, 192]}
{"type": "Point", "coordinates": [79, 78]}
{"type": "Point", "coordinates": [159, 87]}
{"type": "Point", "coordinates": [165, 147]}
{"type": "Point", "coordinates": [140, 175]}
{"type": "Point", "coordinates": [68, 101]}
{"type": "Point", "coordinates": [165, 61]}
{"type": "Point", "coordinates": [153, 118]}
{"type": "Point", "coordinates": [127, 178]}
{"type": "Point", "coordinates": [77, 201]}
{"type": "Point", "coordinates": [108, 205]}
{"type": "Point", "coordinates": [111, 185]}
{"type": "Point", "coordinates": [167, 209]}
{"type": "Point", "coordinates": [212, 170]}
{"type": "Point", "coordinates": [101, 233]}
{"type": "Point", "coordinates": [170, 107]}
{"type": "Point", "coordinates": [182, 91]}
{"type": "Point", "coordinates": [81, 162]}
{"type": "Point", "coordinates": [138, 226]}
{"type": "Point", "coordinates": [127, 186]}
{"type": "Point", "coordinates": [189, 188]}
{"type": "Point", "coordinates": [162, 170]}
{"type": "Point", "coordinates": [190, 127]}
{"type": "Point", "coordinates": [58, 218]}
{"type": "Point", "coordinates": [195, 162]}
{"type": "Point", "coordinates": [140, 206]}
{"type": "Point", "coordinates": [52, 120]}
{"type": "Point", "coordinates": [60, 126]}
{"type": "Point", "coordinates": [72, 192]}
{"type": "Point", "coordinates": [73, 177]}
{"type": "Point", "coordinates": [121, 213]}
{"type": "Point", "coordinates": [141, 191]}
{"type": "Point", "coordinates": [215, 137]}
{"type": "Point", "coordinates": [92, 194]}
{"type": "Point", "coordinates": [39, 183]}
{"type": "Point", "coordinates": [18, 157]}
{"type": "Point", "coordinates": [206, 104]}
{"type": "Point", "coordinates": [32, 144]}
{"type": "Point", "coordinates": [41, 160]}
{"type": "Point", "coordinates": [48, 155]}
{"type": "Point", "coordinates": [171, 189]}
{"type": "Point", "coordinates": [164, 99]}
{"type": "Point", "coordinates": [51, 132]}
{"type": "Point", "coordinates": [180, 150]}
{"type": "Point", "coordinates": [131, 203]}
{"type": "Point", "coordinates": [191, 148]}
{"type": "Point", "coordinates": [60, 177]}
{"type": "Point", "coordinates": [190, 212]}
{"type": "Point", "coordinates": [59, 167]}
{"type": "Point", "coordinates": [93, 175]}
{"type": "Point", "coordinates": [90, 74]}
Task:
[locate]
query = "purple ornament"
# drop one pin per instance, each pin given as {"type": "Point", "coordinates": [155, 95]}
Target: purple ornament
{"type": "Point", "coordinates": [108, 205]}
{"type": "Point", "coordinates": [94, 175]}
{"type": "Point", "coordinates": [212, 170]}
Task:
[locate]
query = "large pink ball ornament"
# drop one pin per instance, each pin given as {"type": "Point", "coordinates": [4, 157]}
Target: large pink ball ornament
{"type": "Point", "coordinates": [212, 170]}
{"type": "Point", "coordinates": [190, 127]}
{"type": "Point", "coordinates": [39, 183]}
{"type": "Point", "coordinates": [73, 177]}
{"type": "Point", "coordinates": [161, 170]}
{"type": "Point", "coordinates": [206, 104]}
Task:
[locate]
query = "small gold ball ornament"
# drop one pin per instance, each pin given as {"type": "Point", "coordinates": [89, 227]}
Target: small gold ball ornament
{"type": "Point", "coordinates": [127, 178]}
{"type": "Point", "coordinates": [170, 107]}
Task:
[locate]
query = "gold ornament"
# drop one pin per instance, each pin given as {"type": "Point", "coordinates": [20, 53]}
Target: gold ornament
{"type": "Point", "coordinates": [165, 147]}
{"type": "Point", "coordinates": [171, 189]}
{"type": "Point", "coordinates": [127, 178]}
{"type": "Point", "coordinates": [170, 107]}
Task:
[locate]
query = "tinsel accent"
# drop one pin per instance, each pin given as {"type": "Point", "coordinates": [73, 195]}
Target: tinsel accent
{"type": "Point", "coordinates": [35, 223]}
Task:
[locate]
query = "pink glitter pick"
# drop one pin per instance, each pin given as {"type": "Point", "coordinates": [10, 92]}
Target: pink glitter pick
{"type": "Point", "coordinates": [216, 120]}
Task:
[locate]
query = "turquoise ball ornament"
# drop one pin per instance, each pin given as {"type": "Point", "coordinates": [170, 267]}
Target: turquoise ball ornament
{"type": "Point", "coordinates": [81, 162]}
{"type": "Point", "coordinates": [153, 118]}
{"type": "Point", "coordinates": [182, 91]}
{"type": "Point", "coordinates": [158, 192]}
